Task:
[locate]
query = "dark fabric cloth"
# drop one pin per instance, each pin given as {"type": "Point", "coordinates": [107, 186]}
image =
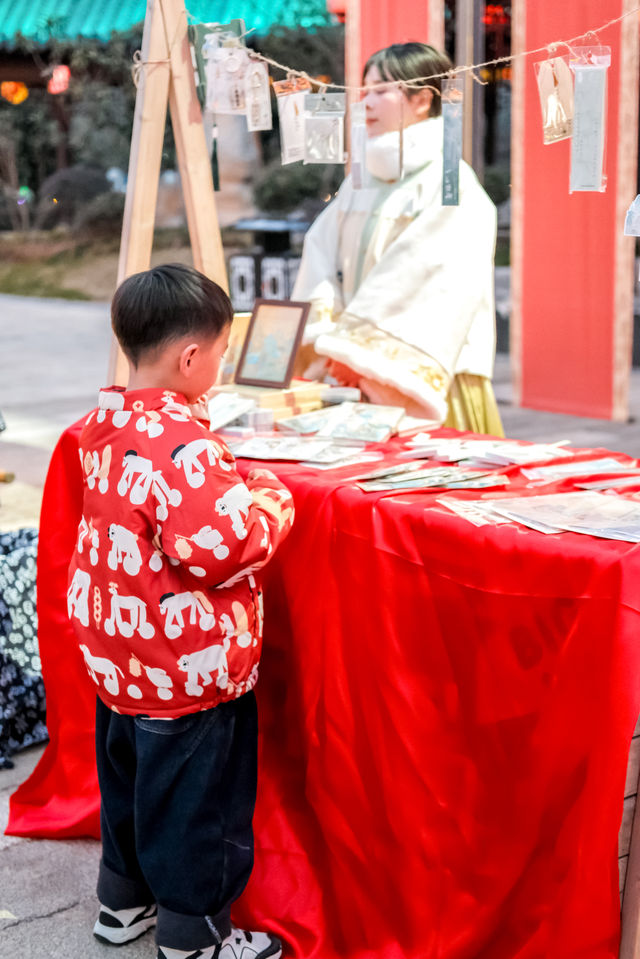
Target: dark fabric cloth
{"type": "Point", "coordinates": [177, 802]}
{"type": "Point", "coordinates": [22, 696]}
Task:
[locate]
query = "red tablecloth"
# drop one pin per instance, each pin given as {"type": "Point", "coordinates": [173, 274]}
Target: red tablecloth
{"type": "Point", "coordinates": [445, 719]}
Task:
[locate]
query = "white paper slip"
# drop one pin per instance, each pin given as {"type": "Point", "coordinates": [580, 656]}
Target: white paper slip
{"type": "Point", "coordinates": [409, 423]}
{"type": "Point", "coordinates": [257, 96]}
{"type": "Point", "coordinates": [420, 439]}
{"type": "Point", "coordinates": [484, 452]}
{"type": "Point", "coordinates": [329, 454]}
{"type": "Point", "coordinates": [385, 471]}
{"type": "Point", "coordinates": [358, 144]}
{"type": "Point", "coordinates": [430, 478]}
{"type": "Point", "coordinates": [294, 448]}
{"type": "Point", "coordinates": [620, 482]}
{"type": "Point", "coordinates": [308, 423]}
{"type": "Point", "coordinates": [449, 450]}
{"type": "Point", "coordinates": [290, 98]}
{"type": "Point", "coordinates": [593, 513]}
{"type": "Point", "coordinates": [558, 471]}
{"type": "Point", "coordinates": [367, 422]}
{"type": "Point", "coordinates": [589, 120]}
{"type": "Point", "coordinates": [471, 510]}
{"type": "Point", "coordinates": [485, 481]}
{"type": "Point", "coordinates": [452, 115]}
{"type": "Point", "coordinates": [510, 454]}
{"type": "Point", "coordinates": [352, 460]}
{"type": "Point", "coordinates": [226, 407]}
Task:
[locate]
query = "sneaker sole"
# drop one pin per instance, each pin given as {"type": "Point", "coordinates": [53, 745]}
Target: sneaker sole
{"type": "Point", "coordinates": [111, 936]}
{"type": "Point", "coordinates": [274, 951]}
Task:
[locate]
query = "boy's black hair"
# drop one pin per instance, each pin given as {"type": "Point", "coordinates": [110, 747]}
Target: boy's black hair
{"type": "Point", "coordinates": [410, 61]}
{"type": "Point", "coordinates": [152, 308]}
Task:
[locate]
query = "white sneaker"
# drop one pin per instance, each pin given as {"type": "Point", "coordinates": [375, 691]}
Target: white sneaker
{"type": "Point", "coordinates": [239, 944]}
{"type": "Point", "coordinates": [115, 927]}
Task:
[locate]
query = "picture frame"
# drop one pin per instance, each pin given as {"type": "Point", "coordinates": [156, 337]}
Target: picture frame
{"type": "Point", "coordinates": [272, 340]}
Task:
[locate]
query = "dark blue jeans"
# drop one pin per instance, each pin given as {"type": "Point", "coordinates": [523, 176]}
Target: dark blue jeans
{"type": "Point", "coordinates": [177, 803]}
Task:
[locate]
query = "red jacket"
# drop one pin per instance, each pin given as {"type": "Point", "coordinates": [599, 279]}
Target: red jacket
{"type": "Point", "coordinates": [162, 593]}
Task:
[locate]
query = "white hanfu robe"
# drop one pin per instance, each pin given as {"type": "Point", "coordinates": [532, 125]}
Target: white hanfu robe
{"type": "Point", "coordinates": [401, 286]}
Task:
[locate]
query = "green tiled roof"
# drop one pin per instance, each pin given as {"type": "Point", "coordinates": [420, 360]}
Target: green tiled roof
{"type": "Point", "coordinates": [67, 19]}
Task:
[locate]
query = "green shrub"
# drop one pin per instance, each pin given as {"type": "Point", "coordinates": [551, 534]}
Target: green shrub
{"type": "Point", "coordinates": [64, 192]}
{"type": "Point", "coordinates": [102, 215]}
{"type": "Point", "coordinates": [280, 189]}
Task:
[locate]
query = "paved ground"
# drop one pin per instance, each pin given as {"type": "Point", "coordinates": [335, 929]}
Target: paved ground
{"type": "Point", "coordinates": [53, 359]}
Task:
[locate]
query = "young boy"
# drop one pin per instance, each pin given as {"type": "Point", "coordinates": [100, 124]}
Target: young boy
{"type": "Point", "coordinates": [168, 617]}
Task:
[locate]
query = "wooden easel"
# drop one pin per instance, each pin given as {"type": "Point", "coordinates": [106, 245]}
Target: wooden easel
{"type": "Point", "coordinates": [166, 77]}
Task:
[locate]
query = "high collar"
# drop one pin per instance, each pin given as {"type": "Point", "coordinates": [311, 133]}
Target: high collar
{"type": "Point", "coordinates": [118, 398]}
{"type": "Point", "coordinates": [421, 144]}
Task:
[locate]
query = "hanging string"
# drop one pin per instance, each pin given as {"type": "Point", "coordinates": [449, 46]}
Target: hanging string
{"type": "Point", "coordinates": [420, 83]}
{"type": "Point", "coordinates": [138, 63]}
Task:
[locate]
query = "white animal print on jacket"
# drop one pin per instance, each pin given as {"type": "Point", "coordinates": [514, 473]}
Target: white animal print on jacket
{"type": "Point", "coordinates": [163, 594]}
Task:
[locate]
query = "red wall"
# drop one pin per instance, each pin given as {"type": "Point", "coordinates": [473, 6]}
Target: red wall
{"type": "Point", "coordinates": [373, 24]}
{"type": "Point", "coordinates": [572, 335]}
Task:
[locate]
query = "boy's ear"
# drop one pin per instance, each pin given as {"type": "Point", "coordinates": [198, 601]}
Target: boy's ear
{"type": "Point", "coordinates": [187, 358]}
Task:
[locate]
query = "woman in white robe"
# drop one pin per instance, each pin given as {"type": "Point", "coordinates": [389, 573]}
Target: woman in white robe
{"type": "Point", "coordinates": [401, 286]}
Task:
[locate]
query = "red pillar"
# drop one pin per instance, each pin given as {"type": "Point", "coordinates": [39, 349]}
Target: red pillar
{"type": "Point", "coordinates": [373, 24]}
{"type": "Point", "coordinates": [572, 268]}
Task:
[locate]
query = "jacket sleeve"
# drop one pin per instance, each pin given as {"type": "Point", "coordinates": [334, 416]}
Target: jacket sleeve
{"type": "Point", "coordinates": [223, 526]}
{"type": "Point", "coordinates": [317, 279]}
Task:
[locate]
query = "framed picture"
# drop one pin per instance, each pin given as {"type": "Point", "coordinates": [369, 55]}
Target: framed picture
{"type": "Point", "coordinates": [269, 350]}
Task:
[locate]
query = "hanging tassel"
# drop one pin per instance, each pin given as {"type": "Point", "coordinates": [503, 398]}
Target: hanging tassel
{"type": "Point", "coordinates": [215, 170]}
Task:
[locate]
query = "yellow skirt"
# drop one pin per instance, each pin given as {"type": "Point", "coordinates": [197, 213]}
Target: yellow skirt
{"type": "Point", "coordinates": [472, 405]}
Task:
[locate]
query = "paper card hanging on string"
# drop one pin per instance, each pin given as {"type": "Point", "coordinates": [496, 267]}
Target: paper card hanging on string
{"type": "Point", "coordinates": [324, 127]}
{"type": "Point", "coordinates": [452, 114]}
{"type": "Point", "coordinates": [290, 98]}
{"type": "Point", "coordinates": [204, 36]}
{"type": "Point", "coordinates": [588, 142]}
{"type": "Point", "coordinates": [210, 36]}
{"type": "Point", "coordinates": [226, 70]}
{"type": "Point", "coordinates": [555, 89]}
{"type": "Point", "coordinates": [632, 219]}
{"type": "Point", "coordinates": [257, 95]}
{"type": "Point", "coordinates": [358, 146]}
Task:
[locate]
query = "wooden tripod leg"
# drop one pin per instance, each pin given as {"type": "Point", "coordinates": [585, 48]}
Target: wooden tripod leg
{"type": "Point", "coordinates": [145, 160]}
{"type": "Point", "coordinates": [191, 147]}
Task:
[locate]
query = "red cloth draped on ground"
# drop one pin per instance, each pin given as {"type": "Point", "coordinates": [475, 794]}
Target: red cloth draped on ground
{"type": "Point", "coordinates": [445, 719]}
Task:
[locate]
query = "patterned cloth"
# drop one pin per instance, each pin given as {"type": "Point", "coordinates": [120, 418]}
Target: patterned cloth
{"type": "Point", "coordinates": [22, 698]}
{"type": "Point", "coordinates": [164, 593]}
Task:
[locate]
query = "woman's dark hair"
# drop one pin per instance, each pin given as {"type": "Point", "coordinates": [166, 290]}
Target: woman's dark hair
{"type": "Point", "coordinates": [152, 308]}
{"type": "Point", "coordinates": [411, 61]}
